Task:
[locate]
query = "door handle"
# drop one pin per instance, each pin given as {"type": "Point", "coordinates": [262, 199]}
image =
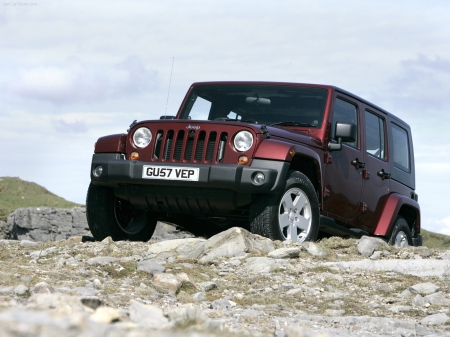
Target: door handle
{"type": "Point", "coordinates": [383, 175]}
{"type": "Point", "coordinates": [358, 164]}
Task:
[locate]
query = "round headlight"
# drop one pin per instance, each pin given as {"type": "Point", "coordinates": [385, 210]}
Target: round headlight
{"type": "Point", "coordinates": [243, 141]}
{"type": "Point", "coordinates": [142, 137]}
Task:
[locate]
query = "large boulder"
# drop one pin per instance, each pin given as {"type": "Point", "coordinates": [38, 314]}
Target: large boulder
{"type": "Point", "coordinates": [46, 224]}
{"type": "Point", "coordinates": [235, 241]}
{"type": "Point", "coordinates": [171, 249]}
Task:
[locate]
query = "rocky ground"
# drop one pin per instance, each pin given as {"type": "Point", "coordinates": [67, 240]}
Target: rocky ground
{"type": "Point", "coordinates": [233, 284]}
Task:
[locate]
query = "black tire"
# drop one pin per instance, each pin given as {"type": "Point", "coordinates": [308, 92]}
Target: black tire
{"type": "Point", "coordinates": [108, 215]}
{"type": "Point", "coordinates": [401, 234]}
{"type": "Point", "coordinates": [270, 216]}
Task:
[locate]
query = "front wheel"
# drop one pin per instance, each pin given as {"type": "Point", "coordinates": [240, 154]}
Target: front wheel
{"type": "Point", "coordinates": [108, 215]}
{"type": "Point", "coordinates": [401, 234]}
{"type": "Point", "coordinates": [292, 214]}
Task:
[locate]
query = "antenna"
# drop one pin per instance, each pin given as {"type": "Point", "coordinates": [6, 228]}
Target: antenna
{"type": "Point", "coordinates": [170, 81]}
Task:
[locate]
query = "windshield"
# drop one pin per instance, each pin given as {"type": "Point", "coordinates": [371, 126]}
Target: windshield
{"type": "Point", "coordinates": [259, 104]}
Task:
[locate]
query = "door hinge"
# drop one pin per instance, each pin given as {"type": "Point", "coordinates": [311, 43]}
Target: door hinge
{"type": "Point", "coordinates": [363, 207]}
{"type": "Point", "coordinates": [365, 174]}
{"type": "Point", "coordinates": [326, 192]}
{"type": "Point", "coordinates": [328, 158]}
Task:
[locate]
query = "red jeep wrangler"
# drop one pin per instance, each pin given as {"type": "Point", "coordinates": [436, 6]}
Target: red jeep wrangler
{"type": "Point", "coordinates": [285, 160]}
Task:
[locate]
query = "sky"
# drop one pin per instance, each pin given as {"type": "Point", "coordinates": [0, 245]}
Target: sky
{"type": "Point", "coordinates": [73, 71]}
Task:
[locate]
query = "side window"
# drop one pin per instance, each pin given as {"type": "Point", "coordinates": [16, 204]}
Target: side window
{"type": "Point", "coordinates": [375, 136]}
{"type": "Point", "coordinates": [400, 148]}
{"type": "Point", "coordinates": [347, 113]}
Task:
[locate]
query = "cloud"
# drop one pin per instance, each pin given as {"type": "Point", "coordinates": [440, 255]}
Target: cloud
{"type": "Point", "coordinates": [70, 127]}
{"type": "Point", "coordinates": [438, 225]}
{"type": "Point", "coordinates": [75, 81]}
{"type": "Point", "coordinates": [422, 83]}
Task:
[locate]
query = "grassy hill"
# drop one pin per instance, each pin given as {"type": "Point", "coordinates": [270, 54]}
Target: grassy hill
{"type": "Point", "coordinates": [435, 240]}
{"type": "Point", "coordinates": [16, 193]}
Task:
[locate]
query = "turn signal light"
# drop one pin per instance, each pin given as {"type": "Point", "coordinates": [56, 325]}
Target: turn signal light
{"type": "Point", "coordinates": [243, 160]}
{"type": "Point", "coordinates": [134, 156]}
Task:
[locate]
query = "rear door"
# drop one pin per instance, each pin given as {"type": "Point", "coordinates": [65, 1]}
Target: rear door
{"type": "Point", "coordinates": [375, 173]}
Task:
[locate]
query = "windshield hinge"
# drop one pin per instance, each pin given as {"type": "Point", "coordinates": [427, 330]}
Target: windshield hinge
{"type": "Point", "coordinates": [132, 124]}
{"type": "Point", "coordinates": [265, 131]}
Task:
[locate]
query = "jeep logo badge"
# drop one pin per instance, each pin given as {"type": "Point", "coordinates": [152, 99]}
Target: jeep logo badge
{"type": "Point", "coordinates": [193, 127]}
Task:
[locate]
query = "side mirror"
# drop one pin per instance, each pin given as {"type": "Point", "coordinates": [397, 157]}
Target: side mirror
{"type": "Point", "coordinates": [167, 117]}
{"type": "Point", "coordinates": [345, 132]}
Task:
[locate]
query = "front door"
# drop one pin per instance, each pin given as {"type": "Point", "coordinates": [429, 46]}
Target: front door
{"type": "Point", "coordinates": [343, 173]}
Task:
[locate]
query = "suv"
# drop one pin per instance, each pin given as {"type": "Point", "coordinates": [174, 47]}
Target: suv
{"type": "Point", "coordinates": [287, 161]}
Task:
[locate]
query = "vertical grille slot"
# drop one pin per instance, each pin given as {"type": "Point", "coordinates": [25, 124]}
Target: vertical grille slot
{"type": "Point", "coordinates": [168, 146]}
{"type": "Point", "coordinates": [189, 145]}
{"type": "Point", "coordinates": [178, 145]}
{"type": "Point", "coordinates": [222, 145]}
{"type": "Point", "coordinates": [158, 140]}
{"type": "Point", "coordinates": [210, 146]}
{"type": "Point", "coordinates": [200, 146]}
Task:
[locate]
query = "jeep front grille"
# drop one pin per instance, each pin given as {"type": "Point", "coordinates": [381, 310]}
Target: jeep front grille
{"type": "Point", "coordinates": [181, 145]}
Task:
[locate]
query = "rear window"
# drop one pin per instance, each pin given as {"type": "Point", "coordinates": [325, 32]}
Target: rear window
{"type": "Point", "coordinates": [400, 148]}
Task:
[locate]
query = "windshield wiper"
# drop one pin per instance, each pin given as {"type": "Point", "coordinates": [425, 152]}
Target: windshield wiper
{"type": "Point", "coordinates": [236, 120]}
{"type": "Point", "coordinates": [292, 123]}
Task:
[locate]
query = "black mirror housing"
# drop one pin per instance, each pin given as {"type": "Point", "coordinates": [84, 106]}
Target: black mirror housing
{"type": "Point", "coordinates": [345, 132]}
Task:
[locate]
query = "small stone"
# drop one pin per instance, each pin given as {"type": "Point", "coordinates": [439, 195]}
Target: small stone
{"type": "Point", "coordinates": [150, 267]}
{"type": "Point", "coordinates": [199, 297]}
{"type": "Point", "coordinates": [167, 281]}
{"type": "Point", "coordinates": [314, 249]}
{"type": "Point", "coordinates": [285, 253]}
{"type": "Point", "coordinates": [147, 316]}
{"type": "Point", "coordinates": [101, 260]}
{"type": "Point", "coordinates": [42, 288]}
{"type": "Point", "coordinates": [21, 290]}
{"type": "Point", "coordinates": [435, 319]}
{"type": "Point", "coordinates": [424, 288]}
{"type": "Point", "coordinates": [207, 286]}
{"type": "Point", "coordinates": [105, 315]}
{"type": "Point", "coordinates": [28, 243]}
{"type": "Point", "coordinates": [400, 308]}
{"type": "Point", "coordinates": [92, 302]}
{"type": "Point", "coordinates": [367, 245]}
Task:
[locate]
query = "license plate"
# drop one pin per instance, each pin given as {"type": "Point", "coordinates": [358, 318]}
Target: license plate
{"type": "Point", "coordinates": [170, 173]}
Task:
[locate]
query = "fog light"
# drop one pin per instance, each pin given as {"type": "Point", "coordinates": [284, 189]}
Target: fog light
{"type": "Point", "coordinates": [134, 156]}
{"type": "Point", "coordinates": [259, 178]}
{"type": "Point", "coordinates": [243, 160]}
{"type": "Point", "coordinates": [98, 171]}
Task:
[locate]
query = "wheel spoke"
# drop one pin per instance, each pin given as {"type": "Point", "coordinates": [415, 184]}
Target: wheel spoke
{"type": "Point", "coordinates": [283, 220]}
{"type": "Point", "coordinates": [292, 233]}
{"type": "Point", "coordinates": [300, 201]}
{"type": "Point", "coordinates": [287, 202]}
{"type": "Point", "coordinates": [303, 223]}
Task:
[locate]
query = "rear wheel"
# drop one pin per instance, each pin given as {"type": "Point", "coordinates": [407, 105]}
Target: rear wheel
{"type": "Point", "coordinates": [292, 214]}
{"type": "Point", "coordinates": [401, 234]}
{"type": "Point", "coordinates": [108, 215]}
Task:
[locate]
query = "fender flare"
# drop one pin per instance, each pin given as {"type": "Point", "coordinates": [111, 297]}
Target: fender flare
{"type": "Point", "coordinates": [273, 149]}
{"type": "Point", "coordinates": [112, 143]}
{"type": "Point", "coordinates": [391, 210]}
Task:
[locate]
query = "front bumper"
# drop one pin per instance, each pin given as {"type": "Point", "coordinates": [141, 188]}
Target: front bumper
{"type": "Point", "coordinates": [118, 171]}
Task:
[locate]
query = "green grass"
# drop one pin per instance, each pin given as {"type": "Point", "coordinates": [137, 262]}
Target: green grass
{"type": "Point", "coordinates": [435, 240]}
{"type": "Point", "coordinates": [16, 193]}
